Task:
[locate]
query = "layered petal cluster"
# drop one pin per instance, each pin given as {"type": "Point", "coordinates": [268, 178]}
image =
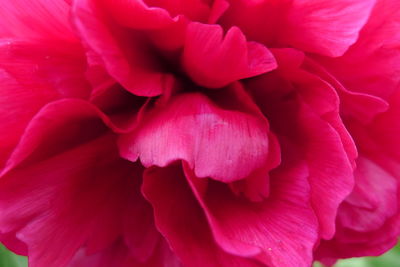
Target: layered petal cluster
{"type": "Point", "coordinates": [192, 133]}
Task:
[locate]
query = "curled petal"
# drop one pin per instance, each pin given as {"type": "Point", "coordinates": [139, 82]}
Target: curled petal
{"type": "Point", "coordinates": [67, 139]}
{"type": "Point", "coordinates": [373, 59]}
{"type": "Point", "coordinates": [186, 231]}
{"type": "Point", "coordinates": [262, 230]}
{"type": "Point", "coordinates": [118, 255]}
{"type": "Point", "coordinates": [294, 109]}
{"type": "Point", "coordinates": [13, 243]}
{"type": "Point", "coordinates": [363, 211]}
{"type": "Point", "coordinates": [378, 229]}
{"type": "Point", "coordinates": [214, 61]}
{"type": "Point", "coordinates": [361, 106]}
{"type": "Point", "coordinates": [320, 26]}
{"type": "Point", "coordinates": [31, 76]}
{"type": "Point", "coordinates": [120, 50]}
{"type": "Point", "coordinates": [220, 143]}
{"type": "Point", "coordinates": [138, 15]}
{"type": "Point", "coordinates": [326, 27]}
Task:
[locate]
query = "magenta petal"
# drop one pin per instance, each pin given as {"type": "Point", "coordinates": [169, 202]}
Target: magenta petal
{"type": "Point", "coordinates": [331, 177]}
{"type": "Point", "coordinates": [279, 231]}
{"type": "Point", "coordinates": [13, 243]}
{"type": "Point", "coordinates": [256, 186]}
{"type": "Point", "coordinates": [40, 19]}
{"type": "Point", "coordinates": [121, 52]}
{"type": "Point", "coordinates": [55, 66]}
{"type": "Point", "coordinates": [325, 27]}
{"type": "Point", "coordinates": [385, 129]}
{"type": "Point", "coordinates": [31, 76]}
{"type": "Point", "coordinates": [64, 198]}
{"type": "Point", "coordinates": [17, 102]}
{"type": "Point", "coordinates": [56, 175]}
{"type": "Point", "coordinates": [374, 59]}
{"type": "Point", "coordinates": [352, 243]}
{"type": "Point", "coordinates": [123, 108]}
{"type": "Point", "coordinates": [136, 14]}
{"type": "Point", "coordinates": [310, 106]}
{"type": "Point", "coordinates": [356, 105]}
{"type": "Point", "coordinates": [318, 92]}
{"type": "Point", "coordinates": [139, 232]}
{"type": "Point", "coordinates": [369, 219]}
{"type": "Point", "coordinates": [214, 61]}
{"type": "Point", "coordinates": [118, 255]}
{"type": "Point", "coordinates": [223, 144]}
{"type": "Point", "coordinates": [218, 9]}
{"type": "Point", "coordinates": [365, 211]}
{"type": "Point", "coordinates": [181, 220]}
{"type": "Point", "coordinates": [50, 121]}
{"type": "Point", "coordinates": [319, 26]}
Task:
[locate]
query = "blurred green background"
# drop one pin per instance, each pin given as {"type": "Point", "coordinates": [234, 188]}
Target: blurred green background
{"type": "Point", "coordinates": [390, 259]}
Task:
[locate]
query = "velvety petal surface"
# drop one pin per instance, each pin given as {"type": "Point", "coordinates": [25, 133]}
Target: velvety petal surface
{"type": "Point", "coordinates": [303, 108]}
{"type": "Point", "coordinates": [213, 60]}
{"type": "Point", "coordinates": [324, 27]}
{"type": "Point", "coordinates": [69, 141]}
{"type": "Point", "coordinates": [31, 76]}
{"type": "Point", "coordinates": [118, 255]}
{"type": "Point", "coordinates": [375, 198]}
{"type": "Point", "coordinates": [373, 60]}
{"type": "Point", "coordinates": [225, 144]}
{"type": "Point", "coordinates": [181, 220]}
{"type": "Point", "coordinates": [261, 230]}
{"type": "Point", "coordinates": [41, 19]}
{"type": "Point", "coordinates": [366, 211]}
{"type": "Point", "coordinates": [138, 15]}
{"type": "Point", "coordinates": [124, 53]}
{"type": "Point", "coordinates": [14, 244]}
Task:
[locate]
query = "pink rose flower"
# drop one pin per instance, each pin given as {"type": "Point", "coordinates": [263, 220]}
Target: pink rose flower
{"type": "Point", "coordinates": [199, 133]}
